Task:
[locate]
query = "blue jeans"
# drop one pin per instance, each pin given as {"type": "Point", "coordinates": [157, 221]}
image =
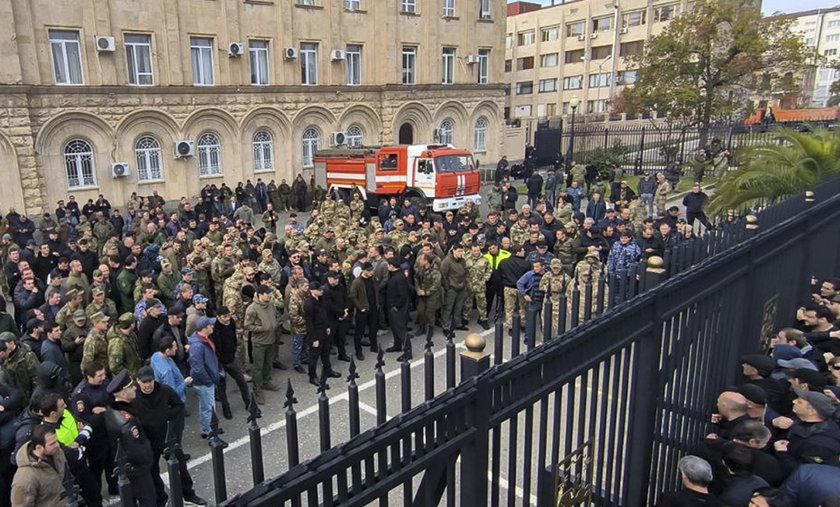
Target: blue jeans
{"type": "Point", "coordinates": [297, 349]}
{"type": "Point", "coordinates": [206, 405]}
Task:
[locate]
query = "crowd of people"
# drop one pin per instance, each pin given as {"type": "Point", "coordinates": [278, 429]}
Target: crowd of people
{"type": "Point", "coordinates": [110, 318]}
{"type": "Point", "coordinates": [774, 439]}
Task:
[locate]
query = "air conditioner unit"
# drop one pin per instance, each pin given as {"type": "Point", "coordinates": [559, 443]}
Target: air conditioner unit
{"type": "Point", "coordinates": [184, 149]}
{"type": "Point", "coordinates": [338, 138]}
{"type": "Point", "coordinates": [623, 29]}
{"type": "Point", "coordinates": [236, 49]}
{"type": "Point", "coordinates": [105, 44]}
{"type": "Point", "coordinates": [593, 35]}
{"type": "Point", "coordinates": [338, 54]}
{"type": "Point", "coordinates": [119, 170]}
{"type": "Point", "coordinates": [472, 59]}
{"type": "Point", "coordinates": [290, 53]}
{"type": "Point", "coordinates": [581, 37]}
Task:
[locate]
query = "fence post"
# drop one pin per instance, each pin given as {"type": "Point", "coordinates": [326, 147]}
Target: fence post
{"type": "Point", "coordinates": [124, 485]}
{"type": "Point", "coordinates": [353, 398]}
{"type": "Point", "coordinates": [379, 375]}
{"type": "Point", "coordinates": [548, 310]}
{"type": "Point", "coordinates": [474, 460]}
{"type": "Point", "coordinates": [809, 198]}
{"type": "Point", "coordinates": [255, 440]}
{"type": "Point", "coordinates": [217, 447]}
{"type": "Point", "coordinates": [474, 361]}
{"type": "Point", "coordinates": [173, 466]}
{"type": "Point", "coordinates": [751, 226]}
{"type": "Point", "coordinates": [655, 272]}
{"type": "Point", "coordinates": [638, 166]}
{"type": "Point", "coordinates": [429, 367]}
{"type": "Point", "coordinates": [291, 426]}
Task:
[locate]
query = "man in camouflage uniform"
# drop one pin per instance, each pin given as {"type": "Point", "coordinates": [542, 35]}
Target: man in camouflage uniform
{"type": "Point", "coordinates": [586, 274]}
{"type": "Point", "coordinates": [270, 266]}
{"type": "Point", "coordinates": [96, 344]}
{"type": "Point", "coordinates": [578, 173]}
{"type": "Point", "coordinates": [19, 360]}
{"type": "Point", "coordinates": [167, 280]}
{"type": "Point", "coordinates": [554, 283]}
{"type": "Point", "coordinates": [284, 193]}
{"type": "Point", "coordinates": [398, 236]}
{"type": "Point", "coordinates": [233, 298]}
{"type": "Point", "coordinates": [660, 196]}
{"type": "Point", "coordinates": [297, 298]}
{"type": "Point", "coordinates": [65, 315]}
{"type": "Point", "coordinates": [199, 260]}
{"type": "Point", "coordinates": [222, 268]}
{"type": "Point", "coordinates": [429, 295]}
{"type": "Point", "coordinates": [519, 231]}
{"type": "Point", "coordinates": [73, 341]}
{"type": "Point", "coordinates": [123, 349]}
{"type": "Point", "coordinates": [357, 207]}
{"type": "Point", "coordinates": [101, 304]}
{"type": "Point", "coordinates": [478, 273]}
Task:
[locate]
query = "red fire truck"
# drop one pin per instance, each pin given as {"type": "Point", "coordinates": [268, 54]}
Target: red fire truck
{"type": "Point", "coordinates": [435, 174]}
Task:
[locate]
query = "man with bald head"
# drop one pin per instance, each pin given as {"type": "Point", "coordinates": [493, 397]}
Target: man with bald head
{"type": "Point", "coordinates": [732, 410]}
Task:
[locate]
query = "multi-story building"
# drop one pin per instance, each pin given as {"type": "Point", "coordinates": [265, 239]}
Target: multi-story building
{"type": "Point", "coordinates": [820, 32]}
{"type": "Point", "coordinates": [576, 50]}
{"type": "Point", "coordinates": [191, 92]}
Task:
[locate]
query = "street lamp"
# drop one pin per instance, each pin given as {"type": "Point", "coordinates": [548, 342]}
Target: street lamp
{"type": "Point", "coordinates": [574, 103]}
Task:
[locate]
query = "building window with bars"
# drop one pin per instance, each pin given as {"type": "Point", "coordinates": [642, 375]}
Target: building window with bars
{"type": "Point", "coordinates": [263, 151]}
{"type": "Point", "coordinates": [209, 155]}
{"type": "Point", "coordinates": [311, 144]}
{"type": "Point", "coordinates": [446, 131]}
{"type": "Point", "coordinates": [147, 159]}
{"type": "Point", "coordinates": [480, 135]}
{"type": "Point", "coordinates": [78, 163]}
{"type": "Point", "coordinates": [354, 135]}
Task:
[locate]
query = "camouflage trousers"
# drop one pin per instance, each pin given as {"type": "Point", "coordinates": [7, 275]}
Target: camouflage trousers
{"type": "Point", "coordinates": [512, 298]}
{"type": "Point", "coordinates": [427, 307]}
{"type": "Point", "coordinates": [477, 297]}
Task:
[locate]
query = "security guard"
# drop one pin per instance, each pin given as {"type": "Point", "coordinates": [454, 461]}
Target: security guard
{"type": "Point", "coordinates": [89, 402]}
{"type": "Point", "coordinates": [124, 427]}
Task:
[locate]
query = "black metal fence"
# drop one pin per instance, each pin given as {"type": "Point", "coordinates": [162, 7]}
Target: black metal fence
{"type": "Point", "coordinates": [646, 148]}
{"type": "Point", "coordinates": [599, 413]}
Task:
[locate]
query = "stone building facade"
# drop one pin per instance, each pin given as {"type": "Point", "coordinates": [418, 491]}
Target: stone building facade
{"type": "Point", "coordinates": [86, 86]}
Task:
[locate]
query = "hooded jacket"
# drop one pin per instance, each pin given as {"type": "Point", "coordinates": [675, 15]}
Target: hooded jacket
{"type": "Point", "coordinates": [38, 482]}
{"type": "Point", "coordinates": [49, 378]}
{"type": "Point", "coordinates": [261, 321]}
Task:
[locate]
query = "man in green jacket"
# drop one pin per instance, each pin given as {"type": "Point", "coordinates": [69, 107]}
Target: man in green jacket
{"type": "Point", "coordinates": [261, 322]}
{"type": "Point", "coordinates": [125, 285]}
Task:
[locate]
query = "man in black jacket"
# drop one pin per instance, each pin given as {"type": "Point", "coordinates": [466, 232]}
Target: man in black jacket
{"type": "Point", "coordinates": [161, 407]}
{"type": "Point", "coordinates": [510, 271]}
{"type": "Point", "coordinates": [124, 427]}
{"type": "Point", "coordinates": [224, 337]}
{"type": "Point", "coordinates": [318, 334]}
{"type": "Point", "coordinates": [338, 312]}
{"type": "Point", "coordinates": [693, 202]}
{"type": "Point", "coordinates": [397, 294]}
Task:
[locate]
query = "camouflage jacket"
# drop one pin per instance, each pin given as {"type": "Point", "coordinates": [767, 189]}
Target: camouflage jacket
{"type": "Point", "coordinates": [296, 315]}
{"type": "Point", "coordinates": [96, 349]}
{"type": "Point", "coordinates": [478, 272]}
{"type": "Point", "coordinates": [23, 365]}
{"type": "Point", "coordinates": [123, 352]}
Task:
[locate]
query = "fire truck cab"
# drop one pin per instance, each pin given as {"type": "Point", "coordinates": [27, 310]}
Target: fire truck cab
{"type": "Point", "coordinates": [438, 175]}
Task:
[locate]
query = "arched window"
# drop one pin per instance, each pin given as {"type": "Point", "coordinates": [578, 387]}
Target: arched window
{"type": "Point", "coordinates": [446, 131]}
{"type": "Point", "coordinates": [78, 163]}
{"type": "Point", "coordinates": [263, 151]}
{"type": "Point", "coordinates": [354, 135]}
{"type": "Point", "coordinates": [209, 155]}
{"type": "Point", "coordinates": [480, 135]}
{"type": "Point", "coordinates": [311, 144]}
{"type": "Point", "coordinates": [147, 156]}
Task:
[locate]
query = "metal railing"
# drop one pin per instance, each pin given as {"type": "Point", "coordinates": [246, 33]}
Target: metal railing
{"type": "Point", "coordinates": [600, 412]}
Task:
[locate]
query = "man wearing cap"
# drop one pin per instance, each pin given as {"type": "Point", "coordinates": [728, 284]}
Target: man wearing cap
{"type": "Point", "coordinates": [510, 271]}
{"type": "Point", "coordinates": [167, 280]}
{"type": "Point", "coordinates": [553, 284]}
{"type": "Point", "coordinates": [814, 436]}
{"type": "Point", "coordinates": [319, 334]}
{"type": "Point", "coordinates": [204, 370]}
{"type": "Point", "coordinates": [453, 275]}
{"type": "Point", "coordinates": [261, 323]}
{"type": "Point", "coordinates": [123, 347]}
{"type": "Point", "coordinates": [124, 426]}
{"type": "Point", "coordinates": [427, 283]}
{"type": "Point", "coordinates": [162, 408]}
{"type": "Point", "coordinates": [222, 268]}
{"type": "Point", "coordinates": [757, 368]}
{"type": "Point", "coordinates": [101, 304]}
{"type": "Point", "coordinates": [95, 349]}
{"type": "Point", "coordinates": [89, 402]}
{"type": "Point", "coordinates": [126, 279]}
{"type": "Point", "coordinates": [195, 311]}
{"type": "Point", "coordinates": [18, 360]}
{"type": "Point", "coordinates": [337, 307]}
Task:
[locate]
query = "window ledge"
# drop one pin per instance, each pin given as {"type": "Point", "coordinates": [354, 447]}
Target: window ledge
{"type": "Point", "coordinates": [356, 11]}
{"type": "Point", "coordinates": [263, 171]}
{"type": "Point", "coordinates": [211, 176]}
{"type": "Point", "coordinates": [409, 14]}
{"type": "Point", "coordinates": [486, 20]}
{"type": "Point", "coordinates": [303, 6]}
{"type": "Point", "coordinates": [82, 189]}
{"type": "Point", "coordinates": [259, 2]}
{"type": "Point", "coordinates": [149, 182]}
{"type": "Point", "coordinates": [451, 18]}
{"type": "Point", "coordinates": [479, 151]}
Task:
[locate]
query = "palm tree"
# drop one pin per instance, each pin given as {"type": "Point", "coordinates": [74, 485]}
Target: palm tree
{"type": "Point", "coordinates": [791, 164]}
